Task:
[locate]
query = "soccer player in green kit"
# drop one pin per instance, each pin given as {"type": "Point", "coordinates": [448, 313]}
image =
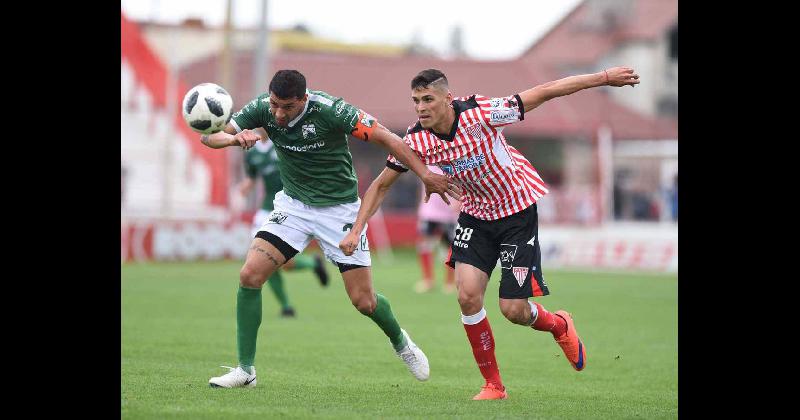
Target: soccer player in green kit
{"type": "Point", "coordinates": [262, 160]}
{"type": "Point", "coordinates": [319, 200]}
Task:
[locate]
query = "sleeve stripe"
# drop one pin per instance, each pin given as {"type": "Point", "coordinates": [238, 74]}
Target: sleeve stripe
{"type": "Point", "coordinates": [236, 126]}
{"type": "Point", "coordinates": [397, 168]}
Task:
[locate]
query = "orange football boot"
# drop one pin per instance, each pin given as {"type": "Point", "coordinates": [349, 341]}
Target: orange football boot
{"type": "Point", "coordinates": [490, 392]}
{"type": "Point", "coordinates": [571, 344]}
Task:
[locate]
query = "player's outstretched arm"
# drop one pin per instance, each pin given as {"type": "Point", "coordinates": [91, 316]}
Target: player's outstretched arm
{"type": "Point", "coordinates": [434, 183]}
{"type": "Point", "coordinates": [615, 76]}
{"type": "Point", "coordinates": [228, 137]}
{"type": "Point", "coordinates": [369, 205]}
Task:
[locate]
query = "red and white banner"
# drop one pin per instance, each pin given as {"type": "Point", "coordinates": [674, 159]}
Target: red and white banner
{"type": "Point", "coordinates": [648, 248]}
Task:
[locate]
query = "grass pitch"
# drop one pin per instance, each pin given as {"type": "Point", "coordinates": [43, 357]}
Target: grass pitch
{"type": "Point", "coordinates": [179, 325]}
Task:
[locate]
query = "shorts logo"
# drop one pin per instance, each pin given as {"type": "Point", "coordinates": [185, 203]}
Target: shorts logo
{"type": "Point", "coordinates": [277, 217]}
{"type": "Point", "coordinates": [347, 227]}
{"type": "Point", "coordinates": [507, 253]}
{"type": "Point", "coordinates": [520, 273]}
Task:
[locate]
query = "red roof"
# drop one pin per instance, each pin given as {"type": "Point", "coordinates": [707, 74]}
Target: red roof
{"type": "Point", "coordinates": [381, 85]}
{"type": "Point", "coordinates": [574, 41]}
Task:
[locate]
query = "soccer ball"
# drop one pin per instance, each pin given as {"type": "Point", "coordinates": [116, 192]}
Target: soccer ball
{"type": "Point", "coordinates": [207, 108]}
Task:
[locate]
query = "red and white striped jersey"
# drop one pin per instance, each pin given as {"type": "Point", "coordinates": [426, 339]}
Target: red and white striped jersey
{"type": "Point", "coordinates": [496, 179]}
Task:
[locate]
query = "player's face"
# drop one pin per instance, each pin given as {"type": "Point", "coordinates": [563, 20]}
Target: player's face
{"type": "Point", "coordinates": [286, 110]}
{"type": "Point", "coordinates": [431, 105]}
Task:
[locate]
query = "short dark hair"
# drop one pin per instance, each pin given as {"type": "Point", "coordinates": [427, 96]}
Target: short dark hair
{"type": "Point", "coordinates": [425, 78]}
{"type": "Point", "coordinates": [287, 84]}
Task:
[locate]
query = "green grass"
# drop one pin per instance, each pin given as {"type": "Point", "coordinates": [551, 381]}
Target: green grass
{"type": "Point", "coordinates": [179, 325]}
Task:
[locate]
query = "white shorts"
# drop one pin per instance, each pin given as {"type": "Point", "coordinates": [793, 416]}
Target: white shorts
{"type": "Point", "coordinates": [258, 220]}
{"type": "Point", "coordinates": [297, 223]}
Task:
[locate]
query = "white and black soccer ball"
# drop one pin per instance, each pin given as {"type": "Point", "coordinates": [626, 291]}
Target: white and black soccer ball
{"type": "Point", "coordinates": [207, 108]}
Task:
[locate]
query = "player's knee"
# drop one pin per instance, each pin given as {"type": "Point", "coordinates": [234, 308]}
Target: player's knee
{"type": "Point", "coordinates": [249, 277]}
{"type": "Point", "coordinates": [365, 304]}
{"type": "Point", "coordinates": [471, 303]}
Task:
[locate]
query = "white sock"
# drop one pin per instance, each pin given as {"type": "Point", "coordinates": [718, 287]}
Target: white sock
{"type": "Point", "coordinates": [474, 319]}
{"type": "Point", "coordinates": [534, 312]}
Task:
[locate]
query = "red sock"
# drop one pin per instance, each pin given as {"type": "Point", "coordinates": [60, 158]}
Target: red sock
{"type": "Point", "coordinates": [426, 264]}
{"type": "Point", "coordinates": [545, 321]}
{"type": "Point", "coordinates": [482, 340]}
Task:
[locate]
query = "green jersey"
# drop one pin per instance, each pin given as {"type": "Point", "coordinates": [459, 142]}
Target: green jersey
{"type": "Point", "coordinates": [314, 159]}
{"type": "Point", "coordinates": [263, 160]}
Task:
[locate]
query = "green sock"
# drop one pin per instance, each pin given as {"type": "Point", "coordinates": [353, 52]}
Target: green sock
{"type": "Point", "coordinates": [302, 261]}
{"type": "Point", "coordinates": [275, 283]}
{"type": "Point", "coordinates": [384, 317]}
{"type": "Point", "coordinates": [248, 319]}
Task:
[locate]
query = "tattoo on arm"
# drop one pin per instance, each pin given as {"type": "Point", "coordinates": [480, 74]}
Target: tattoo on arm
{"type": "Point", "coordinates": [267, 254]}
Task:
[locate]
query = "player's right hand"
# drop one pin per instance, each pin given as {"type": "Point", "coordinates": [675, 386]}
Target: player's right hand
{"type": "Point", "coordinates": [246, 139]}
{"type": "Point", "coordinates": [437, 184]}
{"type": "Point", "coordinates": [350, 242]}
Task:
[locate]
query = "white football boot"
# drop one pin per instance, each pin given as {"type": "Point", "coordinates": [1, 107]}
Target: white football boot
{"type": "Point", "coordinates": [415, 359]}
{"type": "Point", "coordinates": [236, 378]}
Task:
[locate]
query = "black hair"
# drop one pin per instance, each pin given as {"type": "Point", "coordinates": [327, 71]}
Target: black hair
{"type": "Point", "coordinates": [287, 84]}
{"type": "Point", "coordinates": [424, 78]}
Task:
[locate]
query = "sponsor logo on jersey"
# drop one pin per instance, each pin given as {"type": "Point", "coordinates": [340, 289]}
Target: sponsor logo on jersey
{"type": "Point", "coordinates": [504, 116]}
{"type": "Point", "coordinates": [467, 163]}
{"type": "Point", "coordinates": [305, 148]}
{"type": "Point", "coordinates": [447, 168]}
{"type": "Point", "coordinates": [520, 273]}
{"type": "Point", "coordinates": [435, 149]}
{"type": "Point", "coordinates": [277, 217]}
{"type": "Point", "coordinates": [507, 253]}
{"type": "Point", "coordinates": [309, 131]}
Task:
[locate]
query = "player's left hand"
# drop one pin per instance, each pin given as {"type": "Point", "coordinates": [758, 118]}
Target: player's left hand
{"type": "Point", "coordinates": [435, 183]}
{"type": "Point", "coordinates": [247, 138]}
{"type": "Point", "coordinates": [350, 243]}
{"type": "Point", "coordinates": [440, 184]}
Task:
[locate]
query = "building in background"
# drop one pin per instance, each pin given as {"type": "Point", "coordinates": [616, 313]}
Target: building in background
{"type": "Point", "coordinates": [607, 154]}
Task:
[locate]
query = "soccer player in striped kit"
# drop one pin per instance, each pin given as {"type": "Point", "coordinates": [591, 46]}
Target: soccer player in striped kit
{"type": "Point", "coordinates": [498, 220]}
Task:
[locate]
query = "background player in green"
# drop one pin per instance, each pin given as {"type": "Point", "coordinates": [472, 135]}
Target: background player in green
{"type": "Point", "coordinates": [262, 160]}
{"type": "Point", "coordinates": [319, 200]}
